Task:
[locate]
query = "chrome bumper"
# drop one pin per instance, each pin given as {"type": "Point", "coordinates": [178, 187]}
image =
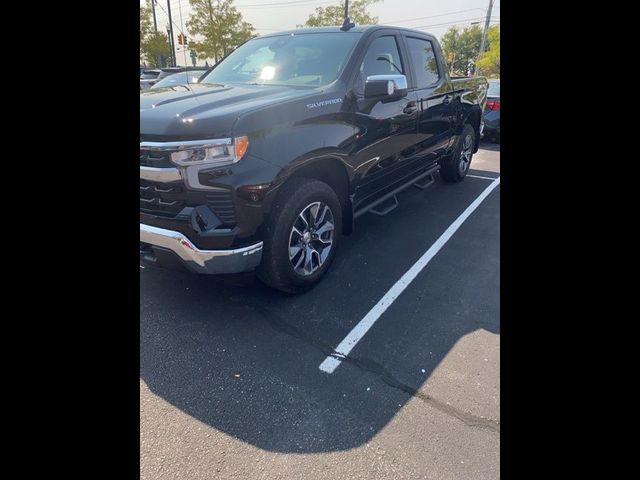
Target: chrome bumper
{"type": "Point", "coordinates": [202, 261]}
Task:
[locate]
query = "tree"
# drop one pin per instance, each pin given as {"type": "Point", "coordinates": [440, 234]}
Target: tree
{"type": "Point", "coordinates": [461, 48]}
{"type": "Point", "coordinates": [334, 15]}
{"type": "Point", "coordinates": [145, 26]}
{"type": "Point", "coordinates": [489, 61]}
{"type": "Point", "coordinates": [220, 25]}
{"type": "Point", "coordinates": [145, 21]}
{"type": "Point", "coordinates": [154, 47]}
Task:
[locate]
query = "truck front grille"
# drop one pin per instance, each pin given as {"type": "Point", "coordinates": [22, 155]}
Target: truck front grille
{"type": "Point", "coordinates": [168, 199]}
{"type": "Point", "coordinates": [162, 198]}
{"type": "Point", "coordinates": [156, 159]}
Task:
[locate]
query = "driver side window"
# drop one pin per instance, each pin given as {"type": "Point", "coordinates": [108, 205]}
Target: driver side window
{"type": "Point", "coordinates": [382, 58]}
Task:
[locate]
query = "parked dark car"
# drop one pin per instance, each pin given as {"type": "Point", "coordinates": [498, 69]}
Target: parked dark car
{"type": "Point", "coordinates": [275, 153]}
{"type": "Point", "coordinates": [492, 112]}
{"type": "Point", "coordinates": [148, 78]}
{"type": "Point", "coordinates": [177, 79]}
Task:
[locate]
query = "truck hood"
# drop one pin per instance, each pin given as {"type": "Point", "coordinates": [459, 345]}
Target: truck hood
{"type": "Point", "coordinates": [206, 110]}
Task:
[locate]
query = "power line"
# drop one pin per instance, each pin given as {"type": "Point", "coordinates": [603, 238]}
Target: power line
{"type": "Point", "coordinates": [450, 23]}
{"type": "Point", "coordinates": [276, 3]}
{"type": "Point", "coordinates": [434, 16]}
{"type": "Point", "coordinates": [172, 21]}
{"type": "Point", "coordinates": [464, 20]}
{"type": "Point", "coordinates": [285, 4]}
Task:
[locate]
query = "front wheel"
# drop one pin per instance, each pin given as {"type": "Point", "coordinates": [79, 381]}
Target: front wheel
{"type": "Point", "coordinates": [455, 168]}
{"type": "Point", "coordinates": [301, 236]}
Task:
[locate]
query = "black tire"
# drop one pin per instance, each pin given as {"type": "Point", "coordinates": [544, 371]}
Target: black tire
{"type": "Point", "coordinates": [276, 269]}
{"type": "Point", "coordinates": [455, 167]}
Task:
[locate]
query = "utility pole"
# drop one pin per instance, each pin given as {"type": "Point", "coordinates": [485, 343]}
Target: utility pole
{"type": "Point", "coordinates": [153, 9]}
{"type": "Point", "coordinates": [171, 42]}
{"type": "Point", "coordinates": [155, 28]}
{"type": "Point", "coordinates": [169, 34]}
{"type": "Point", "coordinates": [483, 43]}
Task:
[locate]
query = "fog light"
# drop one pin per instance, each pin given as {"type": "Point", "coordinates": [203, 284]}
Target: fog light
{"type": "Point", "coordinates": [254, 193]}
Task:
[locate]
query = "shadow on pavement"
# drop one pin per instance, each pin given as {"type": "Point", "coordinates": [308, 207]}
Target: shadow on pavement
{"type": "Point", "coordinates": [244, 359]}
{"type": "Point", "coordinates": [489, 145]}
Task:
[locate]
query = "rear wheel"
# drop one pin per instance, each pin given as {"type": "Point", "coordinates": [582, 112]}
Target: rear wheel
{"type": "Point", "coordinates": [455, 168]}
{"type": "Point", "coordinates": [301, 236]}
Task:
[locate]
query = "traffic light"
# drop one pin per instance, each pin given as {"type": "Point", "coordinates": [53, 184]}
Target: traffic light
{"type": "Point", "coordinates": [182, 39]}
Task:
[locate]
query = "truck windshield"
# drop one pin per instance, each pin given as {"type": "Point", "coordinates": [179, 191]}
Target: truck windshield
{"type": "Point", "coordinates": [297, 60]}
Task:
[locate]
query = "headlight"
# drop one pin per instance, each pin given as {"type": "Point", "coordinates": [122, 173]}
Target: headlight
{"type": "Point", "coordinates": [215, 153]}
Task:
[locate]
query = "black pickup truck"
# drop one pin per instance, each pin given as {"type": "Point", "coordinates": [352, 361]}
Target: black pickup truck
{"type": "Point", "coordinates": [267, 161]}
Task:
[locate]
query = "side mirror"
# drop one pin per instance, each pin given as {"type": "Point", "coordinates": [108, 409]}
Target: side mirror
{"type": "Point", "coordinates": [385, 86]}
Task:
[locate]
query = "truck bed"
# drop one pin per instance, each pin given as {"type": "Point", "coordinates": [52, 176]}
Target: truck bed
{"type": "Point", "coordinates": [472, 89]}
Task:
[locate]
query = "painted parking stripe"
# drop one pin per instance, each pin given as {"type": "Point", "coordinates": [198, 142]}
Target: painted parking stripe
{"type": "Point", "coordinates": [480, 176]}
{"type": "Point", "coordinates": [355, 335]}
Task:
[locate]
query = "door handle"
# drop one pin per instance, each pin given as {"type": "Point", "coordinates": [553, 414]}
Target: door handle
{"type": "Point", "coordinates": [411, 107]}
{"type": "Point", "coordinates": [447, 99]}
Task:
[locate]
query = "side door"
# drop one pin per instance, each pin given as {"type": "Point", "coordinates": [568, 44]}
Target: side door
{"type": "Point", "coordinates": [387, 127]}
{"type": "Point", "coordinates": [434, 93]}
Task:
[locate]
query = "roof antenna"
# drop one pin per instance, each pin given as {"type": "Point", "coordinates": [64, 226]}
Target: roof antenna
{"type": "Point", "coordinates": [347, 24]}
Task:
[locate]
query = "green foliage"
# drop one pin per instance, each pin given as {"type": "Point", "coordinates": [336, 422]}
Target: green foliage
{"type": "Point", "coordinates": [220, 25]}
{"type": "Point", "coordinates": [154, 47]}
{"type": "Point", "coordinates": [146, 23]}
{"type": "Point", "coordinates": [489, 62]}
{"type": "Point", "coordinates": [334, 15]}
{"type": "Point", "coordinates": [460, 48]}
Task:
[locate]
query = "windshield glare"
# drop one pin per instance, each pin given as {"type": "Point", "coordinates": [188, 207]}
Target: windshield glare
{"type": "Point", "coordinates": [301, 60]}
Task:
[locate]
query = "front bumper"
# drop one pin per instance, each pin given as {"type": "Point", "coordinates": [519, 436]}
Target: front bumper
{"type": "Point", "coordinates": [156, 242]}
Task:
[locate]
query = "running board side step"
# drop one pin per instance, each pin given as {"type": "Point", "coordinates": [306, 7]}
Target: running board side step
{"type": "Point", "coordinates": [391, 206]}
{"type": "Point", "coordinates": [431, 179]}
{"type": "Point", "coordinates": [391, 196]}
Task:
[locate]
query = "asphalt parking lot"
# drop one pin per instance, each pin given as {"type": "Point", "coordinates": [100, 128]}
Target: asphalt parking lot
{"type": "Point", "coordinates": [230, 378]}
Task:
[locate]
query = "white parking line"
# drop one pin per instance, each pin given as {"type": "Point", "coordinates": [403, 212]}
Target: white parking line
{"type": "Point", "coordinates": [480, 176]}
{"type": "Point", "coordinates": [355, 335]}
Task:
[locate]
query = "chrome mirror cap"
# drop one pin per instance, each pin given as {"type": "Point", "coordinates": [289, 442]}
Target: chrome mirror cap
{"type": "Point", "coordinates": [386, 86]}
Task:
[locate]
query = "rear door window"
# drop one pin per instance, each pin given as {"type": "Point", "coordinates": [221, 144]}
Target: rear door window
{"type": "Point", "coordinates": [424, 61]}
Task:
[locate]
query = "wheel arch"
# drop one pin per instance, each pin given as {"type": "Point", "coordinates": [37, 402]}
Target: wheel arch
{"type": "Point", "coordinates": [474, 119]}
{"type": "Point", "coordinates": [331, 170]}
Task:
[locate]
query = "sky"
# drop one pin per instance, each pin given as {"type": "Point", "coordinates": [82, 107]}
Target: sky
{"type": "Point", "coordinates": [267, 16]}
